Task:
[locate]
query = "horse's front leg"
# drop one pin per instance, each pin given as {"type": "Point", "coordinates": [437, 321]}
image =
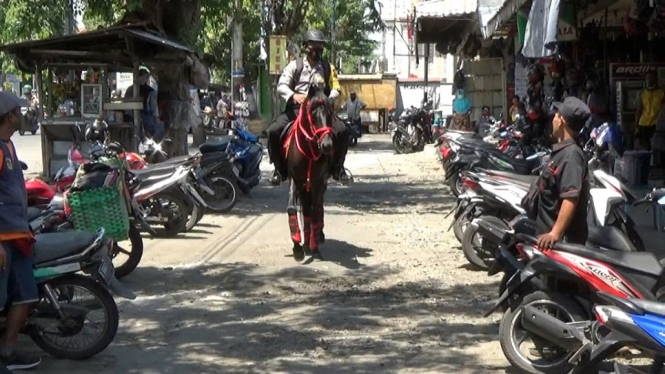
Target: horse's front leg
{"type": "Point", "coordinates": [296, 223]}
{"type": "Point", "coordinates": [316, 223]}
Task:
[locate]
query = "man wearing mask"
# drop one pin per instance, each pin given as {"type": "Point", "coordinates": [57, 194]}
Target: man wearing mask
{"type": "Point", "coordinates": [293, 87]}
{"type": "Point", "coordinates": [353, 106]}
{"type": "Point", "coordinates": [648, 106]}
{"type": "Point", "coordinates": [18, 287]}
{"type": "Point", "coordinates": [559, 198]}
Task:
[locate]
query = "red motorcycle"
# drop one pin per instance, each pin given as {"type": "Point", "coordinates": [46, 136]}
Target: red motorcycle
{"type": "Point", "coordinates": [41, 193]}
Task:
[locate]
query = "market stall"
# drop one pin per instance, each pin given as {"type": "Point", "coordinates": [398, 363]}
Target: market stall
{"type": "Point", "coordinates": [75, 78]}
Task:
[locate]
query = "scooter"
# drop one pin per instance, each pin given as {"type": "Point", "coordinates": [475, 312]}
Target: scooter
{"type": "Point", "coordinates": [355, 132]}
{"type": "Point", "coordinates": [58, 258]}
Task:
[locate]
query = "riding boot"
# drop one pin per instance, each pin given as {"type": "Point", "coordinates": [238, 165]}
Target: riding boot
{"type": "Point", "coordinates": [276, 176]}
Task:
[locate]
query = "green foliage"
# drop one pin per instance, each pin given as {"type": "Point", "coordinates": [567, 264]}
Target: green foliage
{"type": "Point", "coordinates": [355, 20]}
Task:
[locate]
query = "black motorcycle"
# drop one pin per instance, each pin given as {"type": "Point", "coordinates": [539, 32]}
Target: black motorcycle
{"type": "Point", "coordinates": [353, 127]}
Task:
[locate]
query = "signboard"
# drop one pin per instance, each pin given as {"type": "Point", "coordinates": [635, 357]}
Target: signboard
{"type": "Point", "coordinates": [521, 81]}
{"type": "Point", "coordinates": [567, 23]}
{"type": "Point", "coordinates": [278, 60]}
{"type": "Point", "coordinates": [123, 81]}
{"type": "Point", "coordinates": [11, 78]}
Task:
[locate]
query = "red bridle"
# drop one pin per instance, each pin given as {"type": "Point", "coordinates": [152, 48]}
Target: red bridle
{"type": "Point", "coordinates": [303, 127]}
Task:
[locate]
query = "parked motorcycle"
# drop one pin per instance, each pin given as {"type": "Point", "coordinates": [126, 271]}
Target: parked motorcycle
{"type": "Point", "coordinates": [408, 134]}
{"type": "Point", "coordinates": [57, 320]}
{"type": "Point", "coordinates": [243, 151]}
{"type": "Point", "coordinates": [566, 278]}
{"type": "Point", "coordinates": [30, 120]}
{"type": "Point", "coordinates": [355, 132]}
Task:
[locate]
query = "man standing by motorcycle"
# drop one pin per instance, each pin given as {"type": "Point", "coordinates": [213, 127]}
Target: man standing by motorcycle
{"type": "Point", "coordinates": [17, 282]}
{"type": "Point", "coordinates": [293, 87]}
{"type": "Point", "coordinates": [353, 106]}
{"type": "Point", "coordinates": [558, 199]}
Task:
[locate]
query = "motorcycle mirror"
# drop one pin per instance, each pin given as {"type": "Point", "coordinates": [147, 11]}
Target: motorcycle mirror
{"type": "Point", "coordinates": [24, 166]}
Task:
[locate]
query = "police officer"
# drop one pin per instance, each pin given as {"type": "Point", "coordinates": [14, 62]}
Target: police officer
{"type": "Point", "coordinates": [563, 187]}
{"type": "Point", "coordinates": [293, 87]}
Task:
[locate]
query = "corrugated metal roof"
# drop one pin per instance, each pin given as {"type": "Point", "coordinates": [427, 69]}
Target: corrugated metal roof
{"type": "Point", "coordinates": [504, 13]}
{"type": "Point", "coordinates": [445, 8]}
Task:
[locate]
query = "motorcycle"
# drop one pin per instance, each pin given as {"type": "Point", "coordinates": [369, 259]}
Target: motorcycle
{"type": "Point", "coordinates": [568, 278]}
{"type": "Point", "coordinates": [243, 151]}
{"type": "Point", "coordinates": [408, 135]}
{"type": "Point", "coordinates": [355, 132]}
{"type": "Point", "coordinates": [55, 321]}
{"type": "Point", "coordinates": [30, 120]}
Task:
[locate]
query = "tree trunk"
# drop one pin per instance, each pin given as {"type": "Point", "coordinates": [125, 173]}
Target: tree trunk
{"type": "Point", "coordinates": [178, 20]}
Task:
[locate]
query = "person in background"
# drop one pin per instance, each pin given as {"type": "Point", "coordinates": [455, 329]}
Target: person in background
{"type": "Point", "coordinates": [485, 122]}
{"type": "Point", "coordinates": [562, 188]}
{"type": "Point", "coordinates": [462, 112]}
{"type": "Point", "coordinates": [598, 103]}
{"type": "Point", "coordinates": [517, 107]}
{"type": "Point", "coordinates": [27, 93]}
{"type": "Point", "coordinates": [152, 124]}
{"type": "Point", "coordinates": [222, 111]}
{"type": "Point", "coordinates": [649, 103]}
{"type": "Point", "coordinates": [353, 106]}
{"type": "Point", "coordinates": [17, 282]}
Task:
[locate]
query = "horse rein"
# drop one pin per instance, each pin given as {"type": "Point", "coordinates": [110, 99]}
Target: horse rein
{"type": "Point", "coordinates": [313, 136]}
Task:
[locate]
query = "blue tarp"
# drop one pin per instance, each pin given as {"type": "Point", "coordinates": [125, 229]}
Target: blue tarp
{"type": "Point", "coordinates": [540, 38]}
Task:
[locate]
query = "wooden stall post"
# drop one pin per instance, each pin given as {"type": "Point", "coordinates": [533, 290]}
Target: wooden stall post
{"type": "Point", "coordinates": [137, 113]}
{"type": "Point", "coordinates": [40, 118]}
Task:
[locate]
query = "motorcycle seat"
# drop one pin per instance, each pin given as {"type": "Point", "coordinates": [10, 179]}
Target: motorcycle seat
{"type": "Point", "coordinates": [209, 158]}
{"type": "Point", "coordinates": [521, 166]}
{"type": "Point", "coordinates": [650, 307]}
{"type": "Point", "coordinates": [518, 178]}
{"type": "Point", "coordinates": [219, 145]}
{"type": "Point", "coordinates": [33, 213]}
{"type": "Point", "coordinates": [176, 160]}
{"type": "Point", "coordinates": [155, 174]}
{"type": "Point", "coordinates": [610, 238]}
{"type": "Point", "coordinates": [53, 246]}
{"type": "Point", "coordinates": [657, 194]}
{"type": "Point", "coordinates": [643, 262]}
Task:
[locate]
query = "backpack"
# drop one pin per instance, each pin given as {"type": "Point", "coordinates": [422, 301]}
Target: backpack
{"type": "Point", "coordinates": [326, 74]}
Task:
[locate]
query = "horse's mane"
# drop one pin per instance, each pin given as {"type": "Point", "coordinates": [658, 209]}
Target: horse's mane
{"type": "Point", "coordinates": [318, 103]}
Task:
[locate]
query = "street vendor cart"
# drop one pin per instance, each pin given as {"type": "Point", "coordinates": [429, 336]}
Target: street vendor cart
{"type": "Point", "coordinates": [75, 76]}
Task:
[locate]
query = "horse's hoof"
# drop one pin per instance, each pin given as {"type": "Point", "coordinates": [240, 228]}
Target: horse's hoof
{"type": "Point", "coordinates": [298, 255]}
{"type": "Point", "coordinates": [307, 259]}
{"type": "Point", "coordinates": [316, 255]}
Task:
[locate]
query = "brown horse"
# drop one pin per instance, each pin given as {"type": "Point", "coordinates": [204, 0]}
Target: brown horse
{"type": "Point", "coordinates": [309, 148]}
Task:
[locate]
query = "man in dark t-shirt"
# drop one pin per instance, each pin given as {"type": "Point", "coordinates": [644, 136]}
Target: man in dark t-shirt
{"type": "Point", "coordinates": [564, 189]}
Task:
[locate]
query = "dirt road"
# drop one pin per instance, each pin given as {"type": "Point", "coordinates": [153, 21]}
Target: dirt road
{"type": "Point", "coordinates": [394, 294]}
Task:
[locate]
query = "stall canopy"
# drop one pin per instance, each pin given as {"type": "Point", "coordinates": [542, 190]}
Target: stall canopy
{"type": "Point", "coordinates": [494, 14]}
{"type": "Point", "coordinates": [444, 21]}
{"type": "Point", "coordinates": [120, 45]}
{"type": "Point", "coordinates": [540, 37]}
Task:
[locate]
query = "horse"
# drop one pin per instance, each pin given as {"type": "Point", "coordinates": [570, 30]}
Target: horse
{"type": "Point", "coordinates": [309, 148]}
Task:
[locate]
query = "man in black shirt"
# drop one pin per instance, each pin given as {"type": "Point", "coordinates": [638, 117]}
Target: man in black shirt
{"type": "Point", "coordinates": [564, 189]}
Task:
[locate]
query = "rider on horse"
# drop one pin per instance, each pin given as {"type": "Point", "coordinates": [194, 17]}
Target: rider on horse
{"type": "Point", "coordinates": [293, 87]}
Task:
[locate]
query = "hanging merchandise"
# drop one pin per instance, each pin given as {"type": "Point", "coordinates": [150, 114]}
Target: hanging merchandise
{"type": "Point", "coordinates": [557, 72]}
{"type": "Point", "coordinates": [656, 22]}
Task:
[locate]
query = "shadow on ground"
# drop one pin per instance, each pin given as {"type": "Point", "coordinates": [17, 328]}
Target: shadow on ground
{"type": "Point", "coordinates": [235, 318]}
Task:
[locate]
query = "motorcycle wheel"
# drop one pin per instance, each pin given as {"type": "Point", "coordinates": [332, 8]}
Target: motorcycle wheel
{"type": "Point", "coordinates": [195, 216]}
{"type": "Point", "coordinates": [399, 144]}
{"type": "Point", "coordinates": [177, 220]}
{"type": "Point", "coordinates": [134, 255]}
{"type": "Point", "coordinates": [455, 184]}
{"type": "Point", "coordinates": [511, 323]}
{"type": "Point", "coordinates": [54, 348]}
{"type": "Point", "coordinates": [461, 224]}
{"type": "Point", "coordinates": [479, 255]}
{"type": "Point", "coordinates": [225, 194]}
{"type": "Point", "coordinates": [21, 132]}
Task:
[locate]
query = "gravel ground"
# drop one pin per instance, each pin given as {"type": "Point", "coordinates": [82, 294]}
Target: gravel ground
{"type": "Point", "coordinates": [394, 294]}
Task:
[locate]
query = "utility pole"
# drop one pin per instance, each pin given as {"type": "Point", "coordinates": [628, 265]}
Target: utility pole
{"type": "Point", "coordinates": [69, 20]}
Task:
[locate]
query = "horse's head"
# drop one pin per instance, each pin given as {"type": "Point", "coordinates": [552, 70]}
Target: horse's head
{"type": "Point", "coordinates": [319, 110]}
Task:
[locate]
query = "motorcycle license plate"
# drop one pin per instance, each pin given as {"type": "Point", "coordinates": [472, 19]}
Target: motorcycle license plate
{"type": "Point", "coordinates": [106, 270]}
{"type": "Point", "coordinates": [236, 171]}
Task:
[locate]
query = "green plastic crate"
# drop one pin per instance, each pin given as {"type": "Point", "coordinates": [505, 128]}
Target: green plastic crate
{"type": "Point", "coordinates": [100, 207]}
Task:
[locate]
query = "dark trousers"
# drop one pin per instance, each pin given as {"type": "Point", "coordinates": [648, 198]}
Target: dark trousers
{"type": "Point", "coordinates": [644, 135]}
{"type": "Point", "coordinates": [276, 130]}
